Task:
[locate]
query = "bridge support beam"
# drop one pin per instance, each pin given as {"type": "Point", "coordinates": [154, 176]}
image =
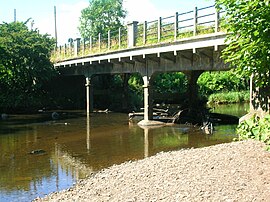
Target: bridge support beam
{"type": "Point", "coordinates": [89, 95]}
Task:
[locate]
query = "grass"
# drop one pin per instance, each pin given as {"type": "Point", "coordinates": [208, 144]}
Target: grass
{"type": "Point", "coordinates": [229, 97]}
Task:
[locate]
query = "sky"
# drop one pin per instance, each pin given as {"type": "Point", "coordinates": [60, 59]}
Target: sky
{"type": "Point", "coordinates": [68, 12]}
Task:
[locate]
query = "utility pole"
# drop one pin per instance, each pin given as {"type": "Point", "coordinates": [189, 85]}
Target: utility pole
{"type": "Point", "coordinates": [32, 25]}
{"type": "Point", "coordinates": [55, 26]}
{"type": "Point", "coordinates": [15, 15]}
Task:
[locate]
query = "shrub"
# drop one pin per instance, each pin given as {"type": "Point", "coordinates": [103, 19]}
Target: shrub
{"type": "Point", "coordinates": [255, 128]}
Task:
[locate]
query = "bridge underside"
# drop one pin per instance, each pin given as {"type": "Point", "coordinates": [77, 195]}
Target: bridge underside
{"type": "Point", "coordinates": [189, 57]}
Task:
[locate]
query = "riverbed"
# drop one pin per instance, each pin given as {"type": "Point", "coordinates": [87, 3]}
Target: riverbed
{"type": "Point", "coordinates": [40, 155]}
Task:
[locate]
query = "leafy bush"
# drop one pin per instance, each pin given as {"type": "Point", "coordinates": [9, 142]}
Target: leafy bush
{"type": "Point", "coordinates": [226, 81]}
{"type": "Point", "coordinates": [255, 128]}
{"type": "Point", "coordinates": [25, 66]}
{"type": "Point", "coordinates": [171, 83]}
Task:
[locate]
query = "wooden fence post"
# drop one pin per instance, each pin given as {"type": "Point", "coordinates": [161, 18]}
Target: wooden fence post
{"type": "Point", "coordinates": [99, 42]}
{"type": "Point", "coordinates": [176, 26]}
{"type": "Point", "coordinates": [109, 40]}
{"type": "Point", "coordinates": [90, 43]}
{"type": "Point", "coordinates": [144, 32]}
{"type": "Point", "coordinates": [195, 21]}
{"type": "Point", "coordinates": [119, 37]}
{"type": "Point", "coordinates": [217, 21]}
{"type": "Point", "coordinates": [159, 28]}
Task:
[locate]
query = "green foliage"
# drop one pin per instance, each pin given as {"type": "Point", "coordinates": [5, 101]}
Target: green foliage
{"type": "Point", "coordinates": [249, 41]}
{"type": "Point", "coordinates": [100, 17]}
{"type": "Point", "coordinates": [171, 83]}
{"type": "Point", "coordinates": [136, 87]}
{"type": "Point", "coordinates": [255, 128]}
{"type": "Point", "coordinates": [24, 65]}
{"type": "Point", "coordinates": [229, 97]}
{"type": "Point", "coordinates": [217, 82]}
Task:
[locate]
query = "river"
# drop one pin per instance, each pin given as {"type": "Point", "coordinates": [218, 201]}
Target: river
{"type": "Point", "coordinates": [39, 156]}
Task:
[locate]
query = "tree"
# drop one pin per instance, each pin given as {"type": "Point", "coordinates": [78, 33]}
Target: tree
{"type": "Point", "coordinates": [24, 65]}
{"type": "Point", "coordinates": [100, 17]}
{"type": "Point", "coordinates": [248, 23]}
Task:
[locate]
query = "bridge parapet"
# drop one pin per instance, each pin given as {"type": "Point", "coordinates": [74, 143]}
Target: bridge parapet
{"type": "Point", "coordinates": [173, 28]}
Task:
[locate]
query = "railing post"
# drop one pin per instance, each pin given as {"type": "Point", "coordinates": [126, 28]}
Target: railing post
{"type": "Point", "coordinates": [60, 52]}
{"type": "Point", "coordinates": [176, 26]}
{"type": "Point", "coordinates": [195, 21]}
{"type": "Point", "coordinates": [77, 46]}
{"type": "Point", "coordinates": [217, 18]}
{"type": "Point", "coordinates": [83, 46]}
{"type": "Point", "coordinates": [144, 32]}
{"type": "Point", "coordinates": [159, 28]}
{"type": "Point", "coordinates": [119, 37]}
{"type": "Point", "coordinates": [109, 40]}
{"type": "Point", "coordinates": [90, 43]}
{"type": "Point", "coordinates": [132, 33]}
{"type": "Point", "coordinates": [70, 44]}
{"type": "Point", "coordinates": [99, 42]}
{"type": "Point", "coordinates": [65, 50]}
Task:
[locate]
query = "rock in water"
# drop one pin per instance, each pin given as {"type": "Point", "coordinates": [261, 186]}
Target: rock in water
{"type": "Point", "coordinates": [38, 151]}
{"type": "Point", "coordinates": [55, 116]}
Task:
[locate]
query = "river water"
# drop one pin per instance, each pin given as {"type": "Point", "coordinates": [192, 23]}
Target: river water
{"type": "Point", "coordinates": [72, 148]}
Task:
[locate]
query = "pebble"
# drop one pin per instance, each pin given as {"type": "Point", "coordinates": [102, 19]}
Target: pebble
{"type": "Point", "coordinates": [235, 171]}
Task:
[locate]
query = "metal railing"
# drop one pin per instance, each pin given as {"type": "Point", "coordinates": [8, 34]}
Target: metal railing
{"type": "Point", "coordinates": [167, 29]}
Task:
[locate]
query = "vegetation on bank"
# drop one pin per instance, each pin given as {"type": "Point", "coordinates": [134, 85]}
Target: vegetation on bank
{"type": "Point", "coordinates": [248, 50]}
{"type": "Point", "coordinates": [25, 66]}
{"type": "Point", "coordinates": [224, 87]}
{"type": "Point", "coordinates": [255, 128]}
{"type": "Point", "coordinates": [229, 97]}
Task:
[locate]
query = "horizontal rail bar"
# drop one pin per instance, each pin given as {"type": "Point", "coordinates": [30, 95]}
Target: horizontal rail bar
{"type": "Point", "coordinates": [207, 15]}
{"type": "Point", "coordinates": [185, 13]}
{"type": "Point", "coordinates": [204, 8]}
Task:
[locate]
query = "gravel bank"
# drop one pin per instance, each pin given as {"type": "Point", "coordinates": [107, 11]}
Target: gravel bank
{"type": "Point", "coordinates": [238, 171]}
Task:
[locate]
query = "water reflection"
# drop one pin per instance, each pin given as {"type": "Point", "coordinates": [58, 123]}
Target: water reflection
{"type": "Point", "coordinates": [146, 142]}
{"type": "Point", "coordinates": [88, 143]}
{"type": "Point", "coordinates": [78, 146]}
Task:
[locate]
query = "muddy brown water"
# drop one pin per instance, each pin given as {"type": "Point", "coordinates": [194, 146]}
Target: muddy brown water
{"type": "Point", "coordinates": [72, 148]}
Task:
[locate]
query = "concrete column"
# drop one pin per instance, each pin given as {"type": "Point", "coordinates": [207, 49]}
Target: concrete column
{"type": "Point", "coordinates": [148, 99]}
{"type": "Point", "coordinates": [89, 96]}
{"type": "Point", "coordinates": [132, 33]}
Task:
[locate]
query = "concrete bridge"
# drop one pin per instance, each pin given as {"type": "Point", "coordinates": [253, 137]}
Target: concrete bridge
{"type": "Point", "coordinates": [188, 49]}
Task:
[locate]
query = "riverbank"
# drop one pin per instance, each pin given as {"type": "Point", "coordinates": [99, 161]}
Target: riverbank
{"type": "Point", "coordinates": [237, 171]}
{"type": "Point", "coordinates": [229, 97]}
